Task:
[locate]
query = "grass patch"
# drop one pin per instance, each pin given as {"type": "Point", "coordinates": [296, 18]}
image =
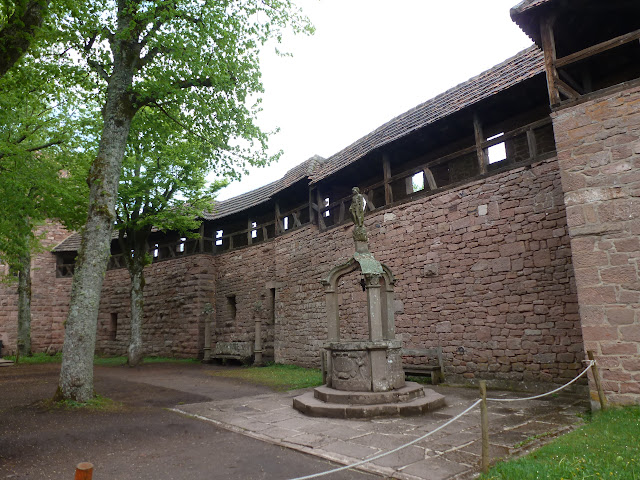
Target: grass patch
{"type": "Point", "coordinates": [276, 376]}
{"type": "Point", "coordinates": [606, 447]}
{"type": "Point", "coordinates": [36, 358]}
{"type": "Point", "coordinates": [97, 404]}
{"type": "Point", "coordinates": [40, 358]}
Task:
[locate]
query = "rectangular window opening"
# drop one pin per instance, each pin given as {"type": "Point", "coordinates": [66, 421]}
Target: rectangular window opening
{"type": "Point", "coordinates": [156, 251]}
{"type": "Point", "coordinates": [219, 234]}
{"type": "Point", "coordinates": [254, 233]}
{"type": "Point", "coordinates": [113, 326]}
{"type": "Point", "coordinates": [327, 213]}
{"type": "Point", "coordinates": [231, 303]}
{"type": "Point", "coordinates": [272, 301]}
{"type": "Point", "coordinates": [417, 181]}
{"type": "Point", "coordinates": [497, 152]}
{"type": "Point", "coordinates": [285, 223]}
{"type": "Point", "coordinates": [181, 245]}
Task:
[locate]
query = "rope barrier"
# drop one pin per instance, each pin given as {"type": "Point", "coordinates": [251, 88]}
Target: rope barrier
{"type": "Point", "coordinates": [380, 455]}
{"type": "Point", "coordinates": [591, 363]}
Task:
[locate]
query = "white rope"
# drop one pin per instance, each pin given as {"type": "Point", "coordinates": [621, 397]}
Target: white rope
{"type": "Point", "coordinates": [380, 455]}
{"type": "Point", "coordinates": [591, 362]}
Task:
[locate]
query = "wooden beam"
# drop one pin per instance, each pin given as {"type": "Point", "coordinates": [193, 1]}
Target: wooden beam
{"type": "Point", "coordinates": [370, 206]}
{"type": "Point", "coordinates": [278, 229]}
{"type": "Point", "coordinates": [549, 49]}
{"type": "Point", "coordinates": [531, 142]}
{"type": "Point", "coordinates": [569, 80]}
{"type": "Point", "coordinates": [386, 171]}
{"type": "Point", "coordinates": [249, 231]}
{"type": "Point", "coordinates": [342, 212]}
{"type": "Point", "coordinates": [265, 235]}
{"type": "Point", "coordinates": [312, 218]}
{"type": "Point", "coordinates": [599, 48]}
{"type": "Point", "coordinates": [431, 181]}
{"type": "Point", "coordinates": [566, 90]}
{"type": "Point", "coordinates": [482, 156]}
{"type": "Point", "coordinates": [320, 202]}
{"type": "Point", "coordinates": [201, 239]}
{"type": "Point", "coordinates": [296, 219]}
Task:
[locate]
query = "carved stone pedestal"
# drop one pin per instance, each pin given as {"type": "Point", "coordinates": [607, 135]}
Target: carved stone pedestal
{"type": "Point", "coordinates": [365, 378]}
{"type": "Point", "coordinates": [412, 399]}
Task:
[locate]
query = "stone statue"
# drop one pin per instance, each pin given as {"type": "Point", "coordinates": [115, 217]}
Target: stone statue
{"type": "Point", "coordinates": [357, 207]}
{"type": "Point", "coordinates": [357, 215]}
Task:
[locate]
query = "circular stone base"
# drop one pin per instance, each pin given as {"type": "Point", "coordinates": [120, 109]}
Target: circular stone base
{"type": "Point", "coordinates": [411, 404]}
{"type": "Point", "coordinates": [410, 391]}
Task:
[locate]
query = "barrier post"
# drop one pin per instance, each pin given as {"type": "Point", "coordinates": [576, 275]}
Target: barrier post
{"type": "Point", "coordinates": [84, 471]}
{"type": "Point", "coordinates": [484, 425]}
{"type": "Point", "coordinates": [596, 379]}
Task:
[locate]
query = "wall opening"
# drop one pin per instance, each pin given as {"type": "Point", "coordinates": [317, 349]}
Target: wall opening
{"type": "Point", "coordinates": [272, 305]}
{"type": "Point", "coordinates": [219, 234]}
{"type": "Point", "coordinates": [498, 152]}
{"type": "Point", "coordinates": [231, 305]}
{"type": "Point", "coordinates": [113, 326]}
{"type": "Point", "coordinates": [417, 182]}
{"type": "Point", "coordinates": [254, 233]}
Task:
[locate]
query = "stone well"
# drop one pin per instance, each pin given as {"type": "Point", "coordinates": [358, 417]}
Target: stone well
{"type": "Point", "coordinates": [365, 378]}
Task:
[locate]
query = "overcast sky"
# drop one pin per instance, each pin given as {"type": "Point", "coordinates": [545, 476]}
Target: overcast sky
{"type": "Point", "coordinates": [369, 61]}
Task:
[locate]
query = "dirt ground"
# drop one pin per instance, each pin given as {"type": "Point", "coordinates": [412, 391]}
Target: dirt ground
{"type": "Point", "coordinates": [142, 440]}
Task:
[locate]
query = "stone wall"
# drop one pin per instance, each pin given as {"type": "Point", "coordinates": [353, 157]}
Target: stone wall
{"type": "Point", "coordinates": [483, 270]}
{"type": "Point", "coordinates": [599, 155]}
{"type": "Point", "coordinates": [49, 299]}
{"type": "Point", "coordinates": [175, 295]}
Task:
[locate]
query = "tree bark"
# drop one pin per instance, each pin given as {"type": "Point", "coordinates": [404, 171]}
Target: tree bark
{"type": "Point", "coordinates": [17, 34]}
{"type": "Point", "coordinates": [24, 305]}
{"type": "Point", "coordinates": [136, 272]}
{"type": "Point", "coordinates": [76, 372]}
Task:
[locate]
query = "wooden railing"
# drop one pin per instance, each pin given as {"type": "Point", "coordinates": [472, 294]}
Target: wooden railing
{"type": "Point", "coordinates": [386, 194]}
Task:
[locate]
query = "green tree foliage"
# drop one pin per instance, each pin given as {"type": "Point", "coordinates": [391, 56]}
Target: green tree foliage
{"type": "Point", "coordinates": [195, 57]}
{"type": "Point", "coordinates": [20, 22]}
{"type": "Point", "coordinates": [42, 171]}
{"type": "Point", "coordinates": [163, 186]}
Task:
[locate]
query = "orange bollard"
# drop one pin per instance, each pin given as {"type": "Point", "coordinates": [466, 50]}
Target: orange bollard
{"type": "Point", "coordinates": [84, 471]}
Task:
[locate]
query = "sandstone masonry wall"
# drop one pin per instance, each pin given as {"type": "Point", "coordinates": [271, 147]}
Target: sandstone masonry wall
{"type": "Point", "coordinates": [175, 294]}
{"type": "Point", "coordinates": [599, 155]}
{"type": "Point", "coordinates": [483, 270]}
{"type": "Point", "coordinates": [49, 299]}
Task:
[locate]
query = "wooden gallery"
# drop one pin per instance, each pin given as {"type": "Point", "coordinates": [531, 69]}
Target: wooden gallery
{"type": "Point", "coordinates": [508, 209]}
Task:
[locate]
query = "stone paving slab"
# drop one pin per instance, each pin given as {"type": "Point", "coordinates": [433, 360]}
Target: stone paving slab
{"type": "Point", "coordinates": [451, 453]}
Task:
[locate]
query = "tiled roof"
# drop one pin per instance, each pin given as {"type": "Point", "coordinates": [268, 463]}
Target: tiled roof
{"type": "Point", "coordinates": [525, 16]}
{"type": "Point", "coordinates": [262, 194]}
{"type": "Point", "coordinates": [72, 242]}
{"type": "Point", "coordinates": [69, 244]}
{"type": "Point", "coordinates": [528, 5]}
{"type": "Point", "coordinates": [516, 69]}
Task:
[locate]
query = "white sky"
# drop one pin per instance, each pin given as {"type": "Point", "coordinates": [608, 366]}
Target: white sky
{"type": "Point", "coordinates": [369, 61]}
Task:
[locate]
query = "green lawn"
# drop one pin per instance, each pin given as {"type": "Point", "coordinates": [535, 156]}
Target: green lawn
{"type": "Point", "coordinates": [277, 376]}
{"type": "Point", "coordinates": [607, 446]}
{"type": "Point", "coordinates": [39, 358]}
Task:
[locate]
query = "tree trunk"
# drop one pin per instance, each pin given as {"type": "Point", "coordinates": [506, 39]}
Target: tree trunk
{"type": "Point", "coordinates": [24, 305]}
{"type": "Point", "coordinates": [76, 372]}
{"type": "Point", "coordinates": [136, 272]}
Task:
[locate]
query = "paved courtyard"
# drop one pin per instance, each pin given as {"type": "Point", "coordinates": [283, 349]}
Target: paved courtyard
{"type": "Point", "coordinates": [451, 453]}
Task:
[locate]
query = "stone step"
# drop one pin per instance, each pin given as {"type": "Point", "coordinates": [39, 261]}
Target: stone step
{"type": "Point", "coordinates": [410, 391]}
{"type": "Point", "coordinates": [309, 405]}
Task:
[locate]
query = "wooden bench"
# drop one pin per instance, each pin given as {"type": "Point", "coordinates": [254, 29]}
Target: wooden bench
{"type": "Point", "coordinates": [433, 370]}
{"type": "Point", "coordinates": [241, 351]}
